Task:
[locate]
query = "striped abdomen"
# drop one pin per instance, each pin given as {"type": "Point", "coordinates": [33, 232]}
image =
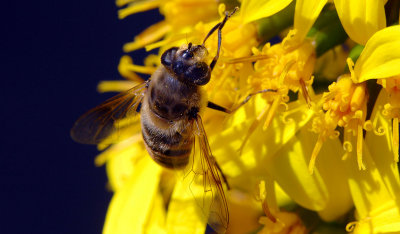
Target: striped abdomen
{"type": "Point", "coordinates": [169, 149]}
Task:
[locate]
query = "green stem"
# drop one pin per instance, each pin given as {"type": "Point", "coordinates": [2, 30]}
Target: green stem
{"type": "Point", "coordinates": [355, 52]}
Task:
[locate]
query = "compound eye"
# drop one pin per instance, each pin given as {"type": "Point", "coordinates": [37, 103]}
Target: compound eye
{"type": "Point", "coordinates": [168, 56]}
{"type": "Point", "coordinates": [187, 55]}
{"type": "Point", "coordinates": [198, 74]}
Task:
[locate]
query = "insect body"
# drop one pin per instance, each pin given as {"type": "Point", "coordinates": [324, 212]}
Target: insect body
{"type": "Point", "coordinates": [171, 125]}
{"type": "Point", "coordinates": [172, 105]}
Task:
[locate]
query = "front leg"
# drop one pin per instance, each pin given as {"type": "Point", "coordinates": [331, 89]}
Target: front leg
{"type": "Point", "coordinates": [225, 110]}
{"type": "Point", "coordinates": [217, 107]}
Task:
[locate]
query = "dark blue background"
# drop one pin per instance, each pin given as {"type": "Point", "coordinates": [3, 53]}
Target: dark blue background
{"type": "Point", "coordinates": [53, 54]}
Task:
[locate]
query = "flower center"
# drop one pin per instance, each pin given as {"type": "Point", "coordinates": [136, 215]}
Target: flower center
{"type": "Point", "coordinates": [345, 101]}
{"type": "Point", "coordinates": [345, 106]}
{"type": "Point", "coordinates": [296, 59]}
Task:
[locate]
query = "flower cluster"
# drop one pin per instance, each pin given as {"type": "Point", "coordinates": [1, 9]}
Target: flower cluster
{"type": "Point", "coordinates": [313, 141]}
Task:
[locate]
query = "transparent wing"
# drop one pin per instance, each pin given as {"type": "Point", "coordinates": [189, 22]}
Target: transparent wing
{"type": "Point", "coordinates": [99, 122]}
{"type": "Point", "coordinates": [204, 181]}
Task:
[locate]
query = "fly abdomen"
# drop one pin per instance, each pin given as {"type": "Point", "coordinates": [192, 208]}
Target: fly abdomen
{"type": "Point", "coordinates": [168, 150]}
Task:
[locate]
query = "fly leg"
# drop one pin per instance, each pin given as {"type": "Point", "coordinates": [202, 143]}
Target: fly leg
{"type": "Point", "coordinates": [230, 111]}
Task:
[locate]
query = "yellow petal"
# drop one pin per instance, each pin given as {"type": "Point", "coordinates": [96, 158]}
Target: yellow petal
{"type": "Point", "coordinates": [149, 35]}
{"type": "Point", "coordinates": [120, 163]}
{"type": "Point", "coordinates": [306, 13]}
{"type": "Point", "coordinates": [136, 7]}
{"type": "Point", "coordinates": [377, 211]}
{"type": "Point", "coordinates": [361, 18]}
{"type": "Point", "coordinates": [243, 212]}
{"type": "Point", "coordinates": [261, 144]}
{"type": "Point", "coordinates": [184, 214]}
{"type": "Point", "coordinates": [326, 190]}
{"type": "Point", "coordinates": [116, 85]}
{"type": "Point", "coordinates": [367, 186]}
{"type": "Point", "coordinates": [131, 204]}
{"type": "Point", "coordinates": [380, 57]}
{"type": "Point", "coordinates": [156, 219]}
{"type": "Point", "coordinates": [252, 10]}
{"type": "Point", "coordinates": [385, 219]}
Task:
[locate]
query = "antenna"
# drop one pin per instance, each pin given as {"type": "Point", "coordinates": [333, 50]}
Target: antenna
{"type": "Point", "coordinates": [219, 26]}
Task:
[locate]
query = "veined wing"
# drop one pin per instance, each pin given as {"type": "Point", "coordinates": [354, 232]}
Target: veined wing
{"type": "Point", "coordinates": [99, 122]}
{"type": "Point", "coordinates": [204, 181]}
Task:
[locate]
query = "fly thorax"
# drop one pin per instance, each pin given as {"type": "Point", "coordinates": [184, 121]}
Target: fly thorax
{"type": "Point", "coordinates": [171, 99]}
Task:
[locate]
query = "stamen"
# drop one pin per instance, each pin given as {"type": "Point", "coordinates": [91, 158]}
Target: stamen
{"type": "Point", "coordinates": [317, 148]}
{"type": "Point", "coordinates": [263, 197]}
{"type": "Point", "coordinates": [395, 139]}
{"type": "Point", "coordinates": [351, 226]}
{"type": "Point", "coordinates": [271, 113]}
{"type": "Point", "coordinates": [268, 212]}
{"type": "Point", "coordinates": [286, 70]}
{"type": "Point", "coordinates": [357, 99]}
{"type": "Point", "coordinates": [305, 93]}
{"type": "Point", "coordinates": [360, 146]}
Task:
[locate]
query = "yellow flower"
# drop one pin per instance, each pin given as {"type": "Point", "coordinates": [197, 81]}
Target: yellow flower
{"type": "Point", "coordinates": [380, 60]}
{"type": "Point", "coordinates": [346, 102]}
{"type": "Point", "coordinates": [283, 67]}
{"type": "Point", "coordinates": [360, 18]}
{"type": "Point", "coordinates": [375, 191]}
{"type": "Point", "coordinates": [271, 170]}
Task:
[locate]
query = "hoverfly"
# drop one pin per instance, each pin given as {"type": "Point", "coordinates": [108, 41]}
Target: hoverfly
{"type": "Point", "coordinates": [169, 104]}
